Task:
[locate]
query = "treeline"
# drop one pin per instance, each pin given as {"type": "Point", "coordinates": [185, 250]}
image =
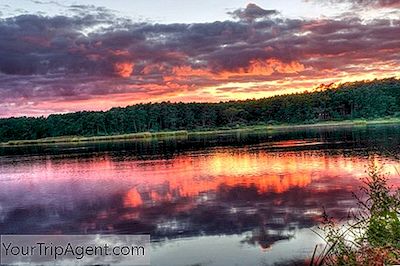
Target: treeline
{"type": "Point", "coordinates": [373, 99]}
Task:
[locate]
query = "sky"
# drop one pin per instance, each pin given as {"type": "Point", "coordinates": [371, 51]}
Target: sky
{"type": "Point", "coordinates": [60, 56]}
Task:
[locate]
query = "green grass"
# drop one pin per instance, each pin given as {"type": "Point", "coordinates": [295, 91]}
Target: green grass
{"type": "Point", "coordinates": [72, 139]}
{"type": "Point", "coordinates": [205, 132]}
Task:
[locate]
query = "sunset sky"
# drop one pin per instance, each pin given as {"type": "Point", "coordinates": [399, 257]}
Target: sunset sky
{"type": "Point", "coordinates": [63, 55]}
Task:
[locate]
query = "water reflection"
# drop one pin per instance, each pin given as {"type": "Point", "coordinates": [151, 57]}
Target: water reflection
{"type": "Point", "coordinates": [263, 191]}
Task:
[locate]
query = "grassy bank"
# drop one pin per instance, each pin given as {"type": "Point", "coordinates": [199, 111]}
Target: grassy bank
{"type": "Point", "coordinates": [221, 131]}
{"type": "Point", "coordinates": [67, 139]}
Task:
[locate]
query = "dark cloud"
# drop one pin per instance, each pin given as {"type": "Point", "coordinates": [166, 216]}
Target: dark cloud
{"type": "Point", "coordinates": [95, 53]}
{"type": "Point", "coordinates": [252, 12]}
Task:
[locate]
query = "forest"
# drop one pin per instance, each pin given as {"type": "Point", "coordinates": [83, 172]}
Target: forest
{"type": "Point", "coordinates": [364, 99]}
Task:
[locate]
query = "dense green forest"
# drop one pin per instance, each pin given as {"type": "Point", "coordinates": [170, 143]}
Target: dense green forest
{"type": "Point", "coordinates": [372, 99]}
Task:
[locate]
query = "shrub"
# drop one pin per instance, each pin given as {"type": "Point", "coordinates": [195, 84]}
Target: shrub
{"type": "Point", "coordinates": [372, 236]}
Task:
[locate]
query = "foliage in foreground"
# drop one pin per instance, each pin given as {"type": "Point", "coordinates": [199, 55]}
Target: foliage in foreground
{"type": "Point", "coordinates": [373, 235]}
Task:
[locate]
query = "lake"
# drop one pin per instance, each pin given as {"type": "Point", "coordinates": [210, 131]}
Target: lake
{"type": "Point", "coordinates": [234, 199]}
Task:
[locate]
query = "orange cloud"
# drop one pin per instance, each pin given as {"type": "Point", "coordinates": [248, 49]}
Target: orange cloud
{"type": "Point", "coordinates": [256, 67]}
{"type": "Point", "coordinates": [133, 198]}
{"type": "Point", "coordinates": [124, 69]}
{"type": "Point", "coordinates": [153, 68]}
{"type": "Point", "coordinates": [184, 71]}
{"type": "Point", "coordinates": [270, 66]}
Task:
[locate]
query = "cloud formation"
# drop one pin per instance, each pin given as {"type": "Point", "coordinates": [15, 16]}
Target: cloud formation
{"type": "Point", "coordinates": [252, 12]}
{"type": "Point", "coordinates": [95, 59]}
{"type": "Point", "coordinates": [368, 3]}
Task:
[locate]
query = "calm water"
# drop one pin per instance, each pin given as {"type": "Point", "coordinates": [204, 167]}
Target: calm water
{"type": "Point", "coordinates": [243, 199]}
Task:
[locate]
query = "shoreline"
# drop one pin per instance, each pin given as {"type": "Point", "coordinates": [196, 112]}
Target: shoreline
{"type": "Point", "coordinates": [185, 133]}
